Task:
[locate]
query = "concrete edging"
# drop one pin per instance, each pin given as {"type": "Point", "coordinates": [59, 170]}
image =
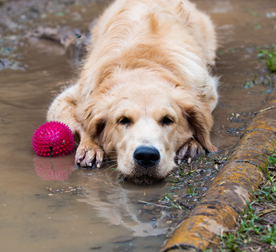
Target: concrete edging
{"type": "Point", "coordinates": [231, 189]}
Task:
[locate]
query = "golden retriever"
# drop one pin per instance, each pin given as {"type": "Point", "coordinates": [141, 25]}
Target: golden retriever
{"type": "Point", "coordinates": [145, 94]}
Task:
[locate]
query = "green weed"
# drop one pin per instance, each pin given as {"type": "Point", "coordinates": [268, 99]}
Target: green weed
{"type": "Point", "coordinates": [192, 191]}
{"type": "Point", "coordinates": [270, 236]}
{"type": "Point", "coordinates": [170, 202]}
{"type": "Point", "coordinates": [232, 241]}
{"type": "Point", "coordinates": [251, 83]}
{"type": "Point", "coordinates": [270, 56]}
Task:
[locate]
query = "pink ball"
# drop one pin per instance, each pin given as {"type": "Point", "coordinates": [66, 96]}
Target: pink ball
{"type": "Point", "coordinates": [53, 139]}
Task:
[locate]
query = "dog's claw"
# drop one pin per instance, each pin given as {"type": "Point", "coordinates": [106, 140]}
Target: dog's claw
{"type": "Point", "coordinates": [89, 155]}
{"type": "Point", "coordinates": [190, 150]}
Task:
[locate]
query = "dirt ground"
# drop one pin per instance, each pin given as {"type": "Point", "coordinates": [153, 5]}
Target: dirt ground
{"type": "Point", "coordinates": [48, 203]}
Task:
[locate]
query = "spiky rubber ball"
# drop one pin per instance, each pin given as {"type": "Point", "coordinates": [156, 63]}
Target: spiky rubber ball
{"type": "Point", "coordinates": [53, 139]}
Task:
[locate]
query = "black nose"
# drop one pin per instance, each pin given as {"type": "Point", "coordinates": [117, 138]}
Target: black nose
{"type": "Point", "coordinates": [146, 156]}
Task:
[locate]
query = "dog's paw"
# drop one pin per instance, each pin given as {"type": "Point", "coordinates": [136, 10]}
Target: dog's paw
{"type": "Point", "coordinates": [89, 155]}
{"type": "Point", "coordinates": [190, 150]}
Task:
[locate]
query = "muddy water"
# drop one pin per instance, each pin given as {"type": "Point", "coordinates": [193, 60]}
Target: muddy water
{"type": "Point", "coordinates": [46, 204]}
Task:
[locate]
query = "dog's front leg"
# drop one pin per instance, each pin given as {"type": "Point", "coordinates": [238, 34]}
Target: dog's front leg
{"type": "Point", "coordinates": [192, 150]}
{"type": "Point", "coordinates": [88, 153]}
{"type": "Point", "coordinates": [62, 109]}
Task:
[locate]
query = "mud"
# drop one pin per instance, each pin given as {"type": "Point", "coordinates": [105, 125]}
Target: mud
{"type": "Point", "coordinates": [50, 204]}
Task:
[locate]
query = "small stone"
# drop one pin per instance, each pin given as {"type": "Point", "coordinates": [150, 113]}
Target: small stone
{"type": "Point", "coordinates": [204, 189]}
{"type": "Point", "coordinates": [123, 238]}
{"type": "Point", "coordinates": [95, 247]}
{"type": "Point", "coordinates": [187, 196]}
{"type": "Point", "coordinates": [157, 209]}
{"type": "Point", "coordinates": [148, 207]}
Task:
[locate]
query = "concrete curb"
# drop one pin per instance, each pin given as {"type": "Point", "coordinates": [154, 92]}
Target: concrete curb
{"type": "Point", "coordinates": [232, 187]}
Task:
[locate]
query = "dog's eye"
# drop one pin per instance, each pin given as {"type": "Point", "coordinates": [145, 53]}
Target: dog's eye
{"type": "Point", "coordinates": [124, 121]}
{"type": "Point", "coordinates": [166, 121]}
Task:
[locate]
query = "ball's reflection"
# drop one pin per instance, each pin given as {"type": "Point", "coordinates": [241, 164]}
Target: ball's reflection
{"type": "Point", "coordinates": [56, 168]}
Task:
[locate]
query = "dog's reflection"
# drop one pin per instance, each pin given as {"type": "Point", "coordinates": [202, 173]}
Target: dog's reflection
{"type": "Point", "coordinates": [119, 203]}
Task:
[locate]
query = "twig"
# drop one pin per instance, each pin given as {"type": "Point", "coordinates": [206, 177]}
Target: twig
{"type": "Point", "coordinates": [262, 110]}
{"type": "Point", "coordinates": [266, 212]}
{"type": "Point", "coordinates": [152, 203]}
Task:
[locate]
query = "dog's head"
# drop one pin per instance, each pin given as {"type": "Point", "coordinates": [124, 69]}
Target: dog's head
{"type": "Point", "coordinates": [141, 120]}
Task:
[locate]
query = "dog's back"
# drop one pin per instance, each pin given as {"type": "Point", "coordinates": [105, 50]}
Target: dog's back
{"type": "Point", "coordinates": [173, 32]}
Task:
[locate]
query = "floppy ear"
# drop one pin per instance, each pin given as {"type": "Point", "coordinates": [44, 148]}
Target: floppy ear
{"type": "Point", "coordinates": [92, 121]}
{"type": "Point", "coordinates": [200, 121]}
{"type": "Point", "coordinates": [96, 128]}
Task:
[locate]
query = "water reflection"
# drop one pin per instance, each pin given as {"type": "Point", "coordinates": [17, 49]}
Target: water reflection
{"type": "Point", "coordinates": [56, 168]}
{"type": "Point", "coordinates": [119, 203]}
{"type": "Point", "coordinates": [222, 6]}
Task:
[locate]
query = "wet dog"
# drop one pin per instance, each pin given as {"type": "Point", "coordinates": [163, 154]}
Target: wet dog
{"type": "Point", "coordinates": [145, 94]}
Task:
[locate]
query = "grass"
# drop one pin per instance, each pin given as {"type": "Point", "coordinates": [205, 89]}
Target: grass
{"type": "Point", "coordinates": [257, 226]}
{"type": "Point", "coordinates": [270, 56]}
{"type": "Point", "coordinates": [189, 182]}
{"type": "Point", "coordinates": [251, 83]}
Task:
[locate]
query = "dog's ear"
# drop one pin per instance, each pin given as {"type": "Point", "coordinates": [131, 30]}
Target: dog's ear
{"type": "Point", "coordinates": [96, 126]}
{"type": "Point", "coordinates": [93, 122]}
{"type": "Point", "coordinates": [200, 122]}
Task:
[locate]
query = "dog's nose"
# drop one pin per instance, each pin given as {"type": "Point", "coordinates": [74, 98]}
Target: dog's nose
{"type": "Point", "coordinates": [146, 156]}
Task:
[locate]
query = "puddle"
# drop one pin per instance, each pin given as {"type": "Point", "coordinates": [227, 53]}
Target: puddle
{"type": "Point", "coordinates": [46, 203]}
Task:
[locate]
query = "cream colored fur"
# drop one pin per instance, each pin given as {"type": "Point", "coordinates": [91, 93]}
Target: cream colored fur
{"type": "Point", "coordinates": [148, 63]}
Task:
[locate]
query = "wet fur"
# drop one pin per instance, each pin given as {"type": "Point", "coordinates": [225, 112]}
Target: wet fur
{"type": "Point", "coordinates": [149, 60]}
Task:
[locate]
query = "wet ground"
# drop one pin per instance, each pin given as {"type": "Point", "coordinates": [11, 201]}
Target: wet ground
{"type": "Point", "coordinates": [46, 203]}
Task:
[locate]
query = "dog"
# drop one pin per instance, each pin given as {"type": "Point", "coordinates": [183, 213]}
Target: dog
{"type": "Point", "coordinates": [145, 94]}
